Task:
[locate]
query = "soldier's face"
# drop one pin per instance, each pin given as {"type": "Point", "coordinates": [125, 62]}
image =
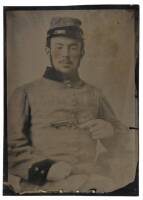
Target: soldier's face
{"type": "Point", "coordinates": [65, 54]}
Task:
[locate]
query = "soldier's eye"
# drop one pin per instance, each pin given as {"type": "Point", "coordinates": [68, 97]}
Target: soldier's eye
{"type": "Point", "coordinates": [59, 47]}
{"type": "Point", "coordinates": [74, 48]}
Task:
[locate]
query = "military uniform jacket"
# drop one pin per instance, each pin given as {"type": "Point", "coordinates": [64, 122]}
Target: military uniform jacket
{"type": "Point", "coordinates": [43, 122]}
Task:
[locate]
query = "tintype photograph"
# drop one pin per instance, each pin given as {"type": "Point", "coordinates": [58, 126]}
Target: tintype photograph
{"type": "Point", "coordinates": [71, 100]}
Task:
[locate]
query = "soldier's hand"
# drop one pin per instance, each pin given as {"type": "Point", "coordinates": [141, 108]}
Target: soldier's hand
{"type": "Point", "coordinates": [38, 171]}
{"type": "Point", "coordinates": [59, 171]}
{"type": "Point", "coordinates": [98, 128]}
{"type": "Point", "coordinates": [48, 170]}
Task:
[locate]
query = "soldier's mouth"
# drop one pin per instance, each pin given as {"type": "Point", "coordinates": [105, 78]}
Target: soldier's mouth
{"type": "Point", "coordinates": [66, 62]}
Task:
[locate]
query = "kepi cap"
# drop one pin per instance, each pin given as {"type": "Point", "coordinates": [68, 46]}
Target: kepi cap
{"type": "Point", "coordinates": [65, 26]}
{"type": "Point", "coordinates": [58, 22]}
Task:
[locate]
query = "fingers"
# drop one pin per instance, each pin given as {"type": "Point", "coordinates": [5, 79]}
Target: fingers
{"type": "Point", "coordinates": [59, 171]}
{"type": "Point", "coordinates": [87, 124]}
{"type": "Point", "coordinates": [99, 135]}
{"type": "Point", "coordinates": [98, 128]}
{"type": "Point", "coordinates": [107, 131]}
{"type": "Point", "coordinates": [92, 123]}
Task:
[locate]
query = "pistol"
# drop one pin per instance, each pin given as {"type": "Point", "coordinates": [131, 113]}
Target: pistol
{"type": "Point", "coordinates": [62, 123]}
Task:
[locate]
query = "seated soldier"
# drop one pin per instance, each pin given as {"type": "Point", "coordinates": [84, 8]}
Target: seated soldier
{"type": "Point", "coordinates": [62, 132]}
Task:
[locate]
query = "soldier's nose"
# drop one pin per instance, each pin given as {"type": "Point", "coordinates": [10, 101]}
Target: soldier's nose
{"type": "Point", "coordinates": [65, 52]}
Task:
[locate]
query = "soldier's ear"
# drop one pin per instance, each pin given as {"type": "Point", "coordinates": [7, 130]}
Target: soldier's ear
{"type": "Point", "coordinates": [47, 50]}
{"type": "Point", "coordinates": [82, 52]}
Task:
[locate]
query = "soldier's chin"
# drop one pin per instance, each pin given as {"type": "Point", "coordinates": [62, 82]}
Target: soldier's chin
{"type": "Point", "coordinates": [66, 69]}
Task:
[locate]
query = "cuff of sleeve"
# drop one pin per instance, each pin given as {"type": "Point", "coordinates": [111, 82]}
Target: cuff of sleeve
{"type": "Point", "coordinates": [37, 173]}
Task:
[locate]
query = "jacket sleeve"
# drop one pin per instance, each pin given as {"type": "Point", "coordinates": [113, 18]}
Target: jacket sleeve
{"type": "Point", "coordinates": [21, 155]}
{"type": "Point", "coordinates": [119, 156]}
{"type": "Point", "coordinates": [106, 112]}
{"type": "Point", "coordinates": [121, 132]}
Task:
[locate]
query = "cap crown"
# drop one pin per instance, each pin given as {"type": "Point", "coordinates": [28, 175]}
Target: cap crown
{"type": "Point", "coordinates": [58, 22]}
{"type": "Point", "coordinates": [65, 26]}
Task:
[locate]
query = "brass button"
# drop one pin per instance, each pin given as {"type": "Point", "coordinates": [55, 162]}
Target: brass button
{"type": "Point", "coordinates": [36, 169]}
{"type": "Point", "coordinates": [42, 172]}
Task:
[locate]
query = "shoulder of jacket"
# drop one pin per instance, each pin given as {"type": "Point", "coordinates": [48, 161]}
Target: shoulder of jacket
{"type": "Point", "coordinates": [93, 89]}
{"type": "Point", "coordinates": [25, 87]}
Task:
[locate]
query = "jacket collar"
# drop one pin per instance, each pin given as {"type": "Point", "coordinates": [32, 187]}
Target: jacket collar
{"type": "Point", "coordinates": [52, 74]}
